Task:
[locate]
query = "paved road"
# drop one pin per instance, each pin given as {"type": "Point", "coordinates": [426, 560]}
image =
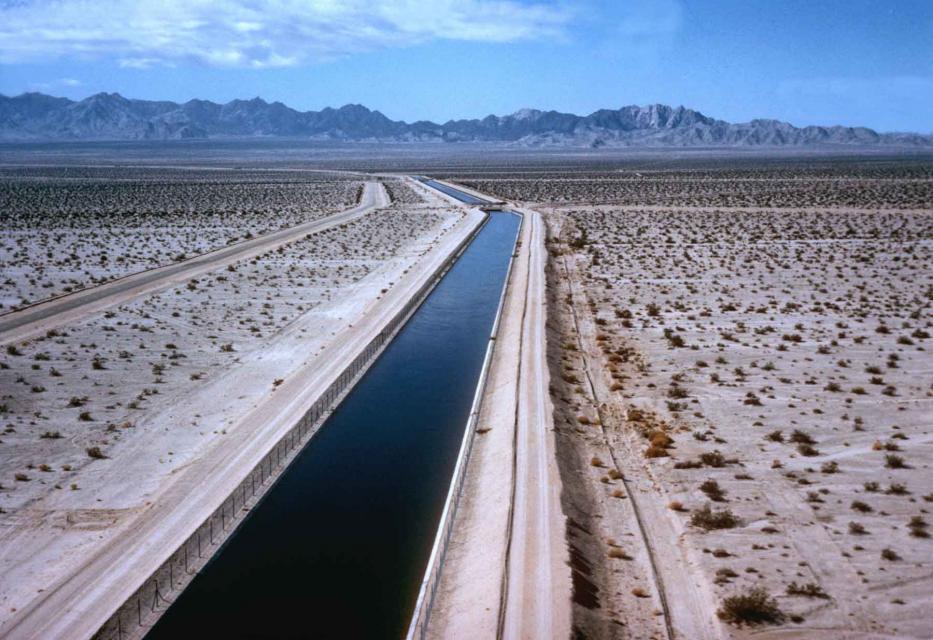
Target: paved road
{"type": "Point", "coordinates": [39, 318]}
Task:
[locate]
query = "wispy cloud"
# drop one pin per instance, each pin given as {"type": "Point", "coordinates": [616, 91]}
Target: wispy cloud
{"type": "Point", "coordinates": [257, 33]}
{"type": "Point", "coordinates": [58, 83]}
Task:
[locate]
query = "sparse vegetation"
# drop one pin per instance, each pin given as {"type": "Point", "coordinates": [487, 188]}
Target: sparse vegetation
{"type": "Point", "coordinates": [752, 608]}
{"type": "Point", "coordinates": [708, 519]}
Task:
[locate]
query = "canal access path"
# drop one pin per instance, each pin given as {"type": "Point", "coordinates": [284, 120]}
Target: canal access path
{"type": "Point", "coordinates": [506, 570]}
{"type": "Point", "coordinates": [38, 318]}
{"type": "Point", "coordinates": [91, 568]}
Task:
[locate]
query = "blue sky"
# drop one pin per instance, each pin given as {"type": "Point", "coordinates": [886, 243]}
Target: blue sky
{"type": "Point", "coordinates": [847, 62]}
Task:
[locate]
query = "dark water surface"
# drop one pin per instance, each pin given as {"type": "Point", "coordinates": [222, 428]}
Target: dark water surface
{"type": "Point", "coordinates": [462, 196]}
{"type": "Point", "coordinates": [338, 547]}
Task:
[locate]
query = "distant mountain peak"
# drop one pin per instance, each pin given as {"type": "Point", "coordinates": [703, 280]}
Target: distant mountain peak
{"type": "Point", "coordinates": [110, 116]}
{"type": "Point", "coordinates": [526, 114]}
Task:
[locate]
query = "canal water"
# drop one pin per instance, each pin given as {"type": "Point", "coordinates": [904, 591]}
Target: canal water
{"type": "Point", "coordinates": [462, 196]}
{"type": "Point", "coordinates": [338, 546]}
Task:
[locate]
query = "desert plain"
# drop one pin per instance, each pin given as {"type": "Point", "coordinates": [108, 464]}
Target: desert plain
{"type": "Point", "coordinates": [103, 413]}
{"type": "Point", "coordinates": [736, 355]}
{"type": "Point", "coordinates": [743, 394]}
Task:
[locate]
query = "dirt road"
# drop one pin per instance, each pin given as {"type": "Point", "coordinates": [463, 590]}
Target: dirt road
{"type": "Point", "coordinates": [506, 573]}
{"type": "Point", "coordinates": [39, 318]}
{"type": "Point", "coordinates": [87, 572]}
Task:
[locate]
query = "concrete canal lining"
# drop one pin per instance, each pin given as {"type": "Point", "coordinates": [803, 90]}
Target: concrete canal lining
{"type": "Point", "coordinates": [143, 557]}
{"type": "Point", "coordinates": [352, 519]}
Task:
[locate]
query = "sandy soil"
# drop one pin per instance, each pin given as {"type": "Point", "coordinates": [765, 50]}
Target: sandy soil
{"type": "Point", "coordinates": [773, 367]}
{"type": "Point", "coordinates": [878, 184]}
{"type": "Point", "coordinates": [289, 317]}
{"type": "Point", "coordinates": [64, 230]}
{"type": "Point", "coordinates": [17, 327]}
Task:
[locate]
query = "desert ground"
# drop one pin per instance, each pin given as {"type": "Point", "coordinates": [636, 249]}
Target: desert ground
{"type": "Point", "coordinates": [102, 415]}
{"type": "Point", "coordinates": [65, 229]}
{"type": "Point", "coordinates": [743, 393]}
{"type": "Point", "coordinates": [709, 407]}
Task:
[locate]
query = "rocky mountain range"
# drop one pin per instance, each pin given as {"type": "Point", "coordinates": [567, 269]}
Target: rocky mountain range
{"type": "Point", "coordinates": [110, 116]}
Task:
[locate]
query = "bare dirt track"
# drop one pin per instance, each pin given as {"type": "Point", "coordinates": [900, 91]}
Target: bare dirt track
{"type": "Point", "coordinates": [72, 556]}
{"type": "Point", "coordinates": [41, 317]}
{"type": "Point", "coordinates": [741, 383]}
{"type": "Point", "coordinates": [506, 572]}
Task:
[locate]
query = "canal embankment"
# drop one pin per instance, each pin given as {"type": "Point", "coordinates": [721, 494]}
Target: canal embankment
{"type": "Point", "coordinates": [501, 563]}
{"type": "Point", "coordinates": [352, 519]}
{"type": "Point", "coordinates": [143, 563]}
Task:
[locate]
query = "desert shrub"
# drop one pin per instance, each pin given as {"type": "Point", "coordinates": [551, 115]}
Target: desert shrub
{"type": "Point", "coordinates": [707, 519]}
{"type": "Point", "coordinates": [713, 459]}
{"type": "Point", "coordinates": [889, 554]}
{"type": "Point", "coordinates": [660, 438]}
{"type": "Point", "coordinates": [688, 464]}
{"type": "Point", "coordinates": [861, 507]}
{"type": "Point", "coordinates": [724, 575]}
{"type": "Point", "coordinates": [755, 607]}
{"type": "Point", "coordinates": [892, 461]}
{"type": "Point", "coordinates": [675, 340]}
{"type": "Point", "coordinates": [830, 467]}
{"type": "Point", "coordinates": [897, 489]}
{"type": "Point", "coordinates": [95, 453]}
{"type": "Point", "coordinates": [807, 450]}
{"type": "Point", "coordinates": [809, 590]}
{"type": "Point", "coordinates": [713, 491]}
{"type": "Point", "coordinates": [654, 451]}
{"type": "Point", "coordinates": [857, 529]}
{"type": "Point", "coordinates": [676, 392]}
{"type": "Point", "coordinates": [918, 527]}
